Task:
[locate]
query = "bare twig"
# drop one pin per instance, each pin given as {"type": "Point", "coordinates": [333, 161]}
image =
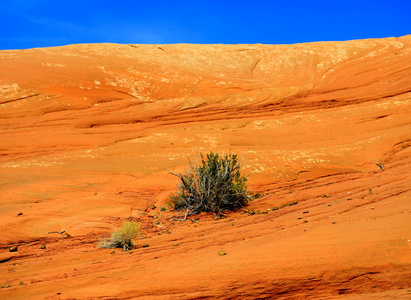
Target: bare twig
{"type": "Point", "coordinates": [61, 232]}
{"type": "Point", "coordinates": [185, 216]}
{"type": "Point", "coordinates": [381, 166]}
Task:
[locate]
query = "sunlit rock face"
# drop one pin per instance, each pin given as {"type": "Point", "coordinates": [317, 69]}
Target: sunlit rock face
{"type": "Point", "coordinates": [89, 133]}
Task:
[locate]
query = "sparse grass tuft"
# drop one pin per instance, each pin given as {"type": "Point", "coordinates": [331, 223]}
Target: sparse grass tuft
{"type": "Point", "coordinates": [123, 237]}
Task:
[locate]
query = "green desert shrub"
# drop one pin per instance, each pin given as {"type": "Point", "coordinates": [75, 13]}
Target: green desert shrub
{"type": "Point", "coordinates": [123, 237]}
{"type": "Point", "coordinates": [211, 184]}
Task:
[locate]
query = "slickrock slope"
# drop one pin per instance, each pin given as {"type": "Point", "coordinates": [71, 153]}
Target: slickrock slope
{"type": "Point", "coordinates": [89, 132]}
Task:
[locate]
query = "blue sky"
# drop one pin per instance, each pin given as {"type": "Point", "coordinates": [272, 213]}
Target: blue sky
{"type": "Point", "coordinates": [44, 23]}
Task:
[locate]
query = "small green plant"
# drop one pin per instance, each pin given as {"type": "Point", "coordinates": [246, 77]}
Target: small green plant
{"type": "Point", "coordinates": [163, 208]}
{"type": "Point", "coordinates": [122, 237]}
{"type": "Point", "coordinates": [212, 184]}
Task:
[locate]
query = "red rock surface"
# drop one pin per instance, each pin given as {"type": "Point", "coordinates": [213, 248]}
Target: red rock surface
{"type": "Point", "coordinates": [89, 131]}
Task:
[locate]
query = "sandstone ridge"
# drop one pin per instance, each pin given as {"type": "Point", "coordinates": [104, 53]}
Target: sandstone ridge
{"type": "Point", "coordinates": [89, 132]}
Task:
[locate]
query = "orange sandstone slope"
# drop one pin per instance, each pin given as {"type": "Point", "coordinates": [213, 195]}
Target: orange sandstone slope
{"type": "Point", "coordinates": [89, 131]}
